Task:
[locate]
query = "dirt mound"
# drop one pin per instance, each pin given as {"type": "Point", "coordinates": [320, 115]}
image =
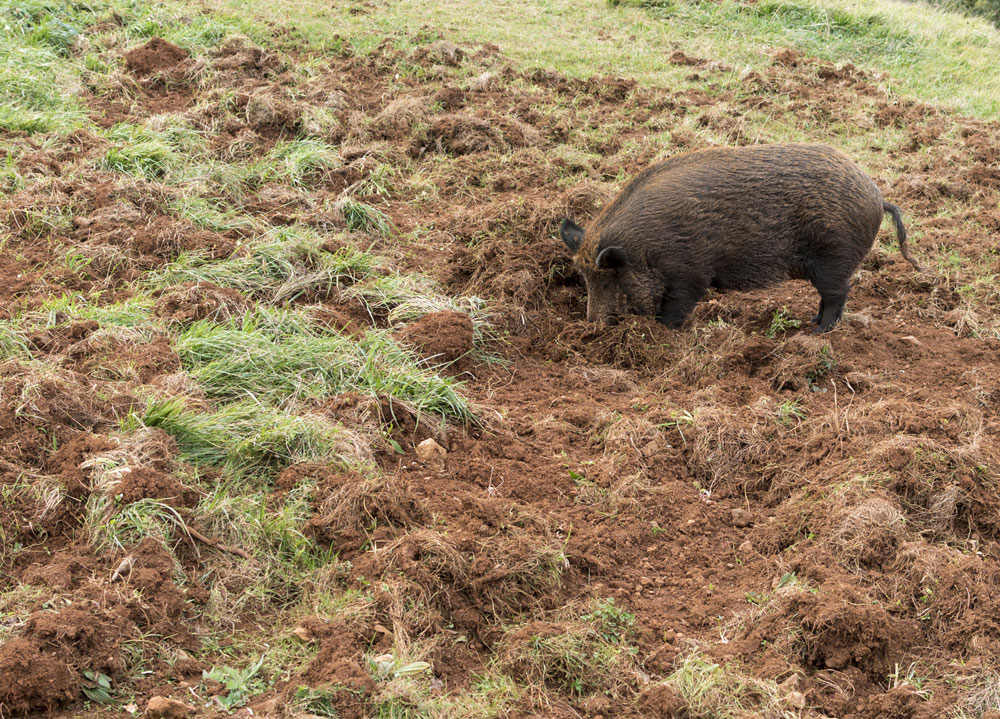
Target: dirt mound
{"type": "Point", "coordinates": [157, 55]}
{"type": "Point", "coordinates": [105, 356]}
{"type": "Point", "coordinates": [147, 483]}
{"type": "Point", "coordinates": [193, 301]}
{"type": "Point", "coordinates": [522, 277]}
{"type": "Point", "coordinates": [346, 506]}
{"type": "Point", "coordinates": [637, 343]}
{"type": "Point", "coordinates": [839, 635]}
{"type": "Point", "coordinates": [439, 337]}
{"type": "Point", "coordinates": [239, 58]}
{"type": "Point", "coordinates": [35, 682]}
{"type": "Point", "coordinates": [58, 339]}
{"type": "Point", "coordinates": [463, 134]}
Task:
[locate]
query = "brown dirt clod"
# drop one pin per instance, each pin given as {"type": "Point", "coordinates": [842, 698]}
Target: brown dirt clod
{"type": "Point", "coordinates": [156, 55]}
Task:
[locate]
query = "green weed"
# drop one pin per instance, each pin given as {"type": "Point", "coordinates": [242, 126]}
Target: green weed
{"type": "Point", "coordinates": [781, 323]}
{"type": "Point", "coordinates": [613, 623]}
{"type": "Point", "coordinates": [240, 684]}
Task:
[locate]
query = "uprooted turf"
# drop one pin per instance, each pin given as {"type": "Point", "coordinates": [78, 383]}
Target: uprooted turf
{"type": "Point", "coordinates": [245, 276]}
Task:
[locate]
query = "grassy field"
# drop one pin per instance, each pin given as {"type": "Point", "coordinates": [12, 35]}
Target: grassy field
{"type": "Point", "coordinates": [254, 254]}
{"type": "Point", "coordinates": [927, 53]}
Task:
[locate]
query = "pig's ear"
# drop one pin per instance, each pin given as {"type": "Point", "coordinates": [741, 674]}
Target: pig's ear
{"type": "Point", "coordinates": [611, 258]}
{"type": "Point", "coordinates": [572, 234]}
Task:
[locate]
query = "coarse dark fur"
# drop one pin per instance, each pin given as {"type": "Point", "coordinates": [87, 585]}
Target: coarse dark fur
{"type": "Point", "coordinates": [731, 218]}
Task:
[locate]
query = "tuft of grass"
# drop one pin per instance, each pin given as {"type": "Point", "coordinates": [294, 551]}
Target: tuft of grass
{"type": "Point", "coordinates": [245, 437]}
{"type": "Point", "coordinates": [304, 162]}
{"type": "Point", "coordinates": [13, 344]}
{"type": "Point", "coordinates": [790, 412]}
{"type": "Point", "coordinates": [10, 179]}
{"type": "Point", "coordinates": [111, 527]}
{"type": "Point", "coordinates": [133, 312]}
{"type": "Point", "coordinates": [276, 357]}
{"type": "Point", "coordinates": [715, 691]}
{"type": "Point", "coordinates": [572, 657]}
{"type": "Point", "coordinates": [380, 181]}
{"type": "Point", "coordinates": [407, 297]}
{"type": "Point", "coordinates": [363, 218]}
{"type": "Point", "coordinates": [289, 262]}
{"type": "Point", "coordinates": [210, 214]}
{"type": "Point", "coordinates": [139, 152]}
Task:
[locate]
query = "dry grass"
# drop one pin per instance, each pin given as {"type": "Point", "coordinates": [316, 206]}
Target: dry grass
{"type": "Point", "coordinates": [568, 656]}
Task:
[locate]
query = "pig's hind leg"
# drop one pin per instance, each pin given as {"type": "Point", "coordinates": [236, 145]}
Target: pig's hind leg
{"type": "Point", "coordinates": [831, 305]}
{"type": "Point", "coordinates": [815, 320]}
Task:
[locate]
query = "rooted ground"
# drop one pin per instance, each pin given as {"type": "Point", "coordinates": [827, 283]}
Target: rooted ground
{"type": "Point", "coordinates": [801, 525]}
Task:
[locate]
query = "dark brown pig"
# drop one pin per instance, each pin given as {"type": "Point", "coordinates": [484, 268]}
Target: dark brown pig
{"type": "Point", "coordinates": [731, 218]}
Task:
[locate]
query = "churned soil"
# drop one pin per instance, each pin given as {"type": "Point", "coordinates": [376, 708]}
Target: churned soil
{"type": "Point", "coordinates": [439, 337]}
{"type": "Point", "coordinates": [818, 507]}
{"type": "Point", "coordinates": [156, 55]}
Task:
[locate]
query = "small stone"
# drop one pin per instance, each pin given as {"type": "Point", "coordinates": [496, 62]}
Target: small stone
{"type": "Point", "coordinates": [788, 686]}
{"type": "Point", "coordinates": [303, 633]}
{"type": "Point", "coordinates": [746, 547]}
{"type": "Point", "coordinates": [164, 708]}
{"type": "Point", "coordinates": [645, 581]}
{"type": "Point", "coordinates": [265, 708]}
{"type": "Point", "coordinates": [911, 340]}
{"type": "Point", "coordinates": [123, 569]}
{"type": "Point", "coordinates": [741, 518]}
{"type": "Point", "coordinates": [431, 452]}
{"type": "Point", "coordinates": [796, 700]}
{"type": "Point", "coordinates": [651, 449]}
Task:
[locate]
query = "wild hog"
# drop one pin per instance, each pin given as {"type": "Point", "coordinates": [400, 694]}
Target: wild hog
{"type": "Point", "coordinates": [731, 218]}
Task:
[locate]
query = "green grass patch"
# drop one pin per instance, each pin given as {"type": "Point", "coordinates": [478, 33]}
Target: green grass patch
{"type": "Point", "coordinates": [245, 436]}
{"type": "Point", "coordinates": [933, 55]}
{"type": "Point", "coordinates": [287, 263]}
{"type": "Point", "coordinates": [271, 357]}
{"type": "Point", "coordinates": [362, 217]}
{"type": "Point", "coordinates": [13, 344]}
{"type": "Point", "coordinates": [300, 163]}
{"type": "Point", "coordinates": [133, 312]}
{"type": "Point", "coordinates": [139, 152]}
{"type": "Point", "coordinates": [210, 214]}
